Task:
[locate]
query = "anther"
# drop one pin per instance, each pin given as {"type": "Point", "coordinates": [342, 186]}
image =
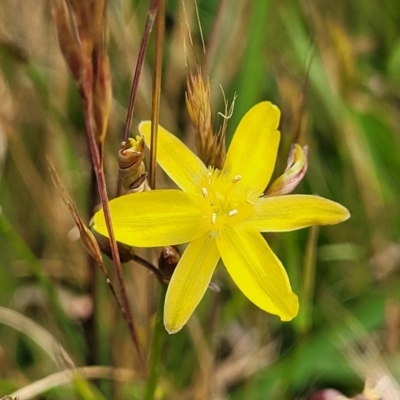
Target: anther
{"type": "Point", "coordinates": [236, 178]}
{"type": "Point", "coordinates": [209, 175]}
{"type": "Point", "coordinates": [232, 212]}
{"type": "Point", "coordinates": [250, 202]}
{"type": "Point", "coordinates": [204, 192]}
{"type": "Point", "coordinates": [214, 218]}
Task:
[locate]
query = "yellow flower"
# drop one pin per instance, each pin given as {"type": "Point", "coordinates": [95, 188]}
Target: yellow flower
{"type": "Point", "coordinates": [221, 214]}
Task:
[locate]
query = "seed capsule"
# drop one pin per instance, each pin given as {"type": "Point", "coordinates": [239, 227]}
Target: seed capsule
{"type": "Point", "coordinates": [168, 261]}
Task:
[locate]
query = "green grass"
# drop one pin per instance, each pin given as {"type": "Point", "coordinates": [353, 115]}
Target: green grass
{"type": "Point", "coordinates": [344, 58]}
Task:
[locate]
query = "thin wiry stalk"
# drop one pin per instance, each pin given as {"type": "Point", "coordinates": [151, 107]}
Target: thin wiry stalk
{"type": "Point", "coordinates": [98, 168]}
{"type": "Point", "coordinates": [90, 325]}
{"type": "Point", "coordinates": [147, 265]}
{"type": "Point", "coordinates": [158, 335]}
{"type": "Point", "coordinates": [308, 283]}
{"type": "Point", "coordinates": [215, 32]}
{"type": "Point", "coordinates": [87, 237]}
{"type": "Point", "coordinates": [153, 8]}
{"type": "Point", "coordinates": [155, 109]}
{"type": "Point", "coordinates": [302, 103]}
{"type": "Point", "coordinates": [156, 347]}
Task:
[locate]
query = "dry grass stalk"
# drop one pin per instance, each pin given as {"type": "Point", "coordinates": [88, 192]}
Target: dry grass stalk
{"type": "Point", "coordinates": [86, 235]}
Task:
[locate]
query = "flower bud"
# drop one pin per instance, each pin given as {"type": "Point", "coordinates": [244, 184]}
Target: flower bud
{"type": "Point", "coordinates": [328, 394]}
{"type": "Point", "coordinates": [132, 171]}
{"type": "Point", "coordinates": [295, 170]}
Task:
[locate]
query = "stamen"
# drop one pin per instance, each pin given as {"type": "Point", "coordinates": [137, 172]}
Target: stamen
{"type": "Point", "coordinates": [214, 218]}
{"type": "Point", "coordinates": [209, 175]}
{"type": "Point", "coordinates": [236, 178]}
{"type": "Point", "coordinates": [204, 191]}
{"type": "Point", "coordinates": [232, 213]}
{"type": "Point", "coordinates": [250, 202]}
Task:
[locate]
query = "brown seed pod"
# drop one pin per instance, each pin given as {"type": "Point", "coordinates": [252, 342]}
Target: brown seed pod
{"type": "Point", "coordinates": [132, 171]}
{"type": "Point", "coordinates": [168, 261]}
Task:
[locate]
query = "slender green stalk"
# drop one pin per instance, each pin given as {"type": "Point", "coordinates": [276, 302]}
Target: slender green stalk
{"type": "Point", "coordinates": [308, 284]}
{"type": "Point", "coordinates": [160, 30]}
{"type": "Point", "coordinates": [90, 326]}
{"type": "Point", "coordinates": [156, 347]}
{"type": "Point", "coordinates": [159, 331]}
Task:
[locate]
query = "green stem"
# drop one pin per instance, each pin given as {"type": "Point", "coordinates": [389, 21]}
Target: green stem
{"type": "Point", "coordinates": [156, 347]}
{"type": "Point", "coordinates": [308, 285]}
{"type": "Point", "coordinates": [90, 327]}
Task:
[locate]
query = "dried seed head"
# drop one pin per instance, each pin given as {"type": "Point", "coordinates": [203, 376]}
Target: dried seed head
{"type": "Point", "coordinates": [102, 91]}
{"type": "Point", "coordinates": [198, 103]}
{"type": "Point", "coordinates": [86, 235]}
{"type": "Point", "coordinates": [211, 148]}
{"type": "Point", "coordinates": [80, 25]}
{"type": "Point", "coordinates": [81, 29]}
{"type": "Point", "coordinates": [132, 171]}
{"type": "Point", "coordinates": [68, 39]}
{"type": "Point", "coordinates": [89, 23]}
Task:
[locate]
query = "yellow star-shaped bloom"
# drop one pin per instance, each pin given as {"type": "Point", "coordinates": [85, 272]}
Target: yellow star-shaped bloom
{"type": "Point", "coordinates": [220, 213]}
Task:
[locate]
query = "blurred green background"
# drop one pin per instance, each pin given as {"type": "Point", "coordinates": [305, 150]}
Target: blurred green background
{"type": "Point", "coordinates": [333, 68]}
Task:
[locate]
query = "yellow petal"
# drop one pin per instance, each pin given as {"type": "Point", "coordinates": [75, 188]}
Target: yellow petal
{"type": "Point", "coordinates": [252, 152]}
{"type": "Point", "coordinates": [175, 158]}
{"type": "Point", "coordinates": [287, 213]}
{"type": "Point", "coordinates": [149, 219]}
{"type": "Point", "coordinates": [189, 282]}
{"type": "Point", "coordinates": [257, 272]}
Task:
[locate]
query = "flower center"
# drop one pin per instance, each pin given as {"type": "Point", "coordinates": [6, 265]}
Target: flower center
{"type": "Point", "coordinates": [224, 200]}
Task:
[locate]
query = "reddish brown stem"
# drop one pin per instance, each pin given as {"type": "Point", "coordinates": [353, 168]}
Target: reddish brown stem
{"type": "Point", "coordinates": [153, 8]}
{"type": "Point", "coordinates": [98, 169]}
